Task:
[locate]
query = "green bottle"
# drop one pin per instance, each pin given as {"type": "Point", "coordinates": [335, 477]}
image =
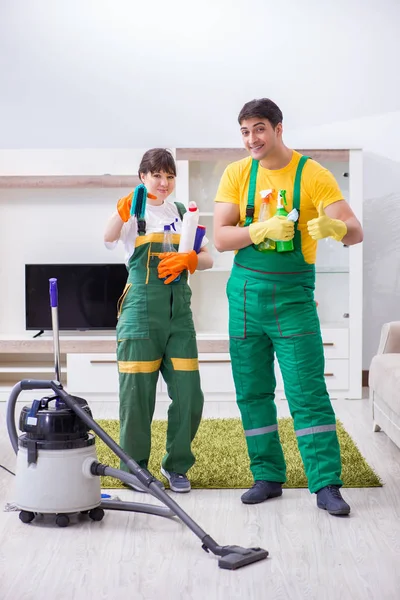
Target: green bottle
{"type": "Point", "coordinates": [281, 212]}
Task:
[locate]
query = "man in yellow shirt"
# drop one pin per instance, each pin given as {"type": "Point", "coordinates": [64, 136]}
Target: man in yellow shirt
{"type": "Point", "coordinates": [271, 302]}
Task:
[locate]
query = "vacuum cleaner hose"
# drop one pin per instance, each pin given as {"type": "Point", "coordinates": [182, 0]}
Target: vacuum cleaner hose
{"type": "Point", "coordinates": [25, 384]}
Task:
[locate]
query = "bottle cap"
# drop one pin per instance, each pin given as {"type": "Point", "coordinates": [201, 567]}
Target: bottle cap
{"type": "Point", "coordinates": [192, 206]}
{"type": "Point", "coordinates": [265, 194]}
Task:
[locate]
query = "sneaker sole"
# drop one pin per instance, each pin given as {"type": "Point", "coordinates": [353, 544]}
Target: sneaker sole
{"type": "Point", "coordinates": [274, 495]}
{"type": "Point", "coordinates": [336, 513]}
{"type": "Point", "coordinates": [174, 489]}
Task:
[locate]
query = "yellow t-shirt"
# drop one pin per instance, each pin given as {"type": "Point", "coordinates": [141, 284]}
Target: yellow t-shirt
{"type": "Point", "coordinates": [317, 185]}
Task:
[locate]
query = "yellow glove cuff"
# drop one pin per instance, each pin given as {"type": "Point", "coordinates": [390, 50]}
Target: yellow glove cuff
{"type": "Point", "coordinates": [339, 228]}
{"type": "Point", "coordinates": [257, 232]}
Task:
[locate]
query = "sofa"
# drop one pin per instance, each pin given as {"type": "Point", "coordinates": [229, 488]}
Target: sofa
{"type": "Point", "coordinates": [384, 383]}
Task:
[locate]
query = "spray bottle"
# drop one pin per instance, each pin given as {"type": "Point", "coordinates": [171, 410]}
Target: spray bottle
{"type": "Point", "coordinates": [266, 245]}
{"type": "Point", "coordinates": [281, 212]}
{"type": "Point", "coordinates": [190, 222]}
{"type": "Point", "coordinates": [167, 245]}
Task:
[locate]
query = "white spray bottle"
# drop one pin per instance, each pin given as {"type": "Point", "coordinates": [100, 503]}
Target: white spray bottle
{"type": "Point", "coordinates": [189, 226]}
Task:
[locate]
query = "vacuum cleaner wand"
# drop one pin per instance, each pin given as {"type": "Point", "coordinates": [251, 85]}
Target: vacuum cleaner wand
{"type": "Point", "coordinates": [53, 291]}
{"type": "Point", "coordinates": [232, 557]}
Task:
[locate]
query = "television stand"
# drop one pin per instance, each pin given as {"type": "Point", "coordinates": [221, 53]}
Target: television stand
{"type": "Point", "coordinates": [39, 333]}
{"type": "Point", "coordinates": [89, 364]}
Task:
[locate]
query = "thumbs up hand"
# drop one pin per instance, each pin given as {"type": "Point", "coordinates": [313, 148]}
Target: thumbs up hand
{"type": "Point", "coordinates": [323, 226]}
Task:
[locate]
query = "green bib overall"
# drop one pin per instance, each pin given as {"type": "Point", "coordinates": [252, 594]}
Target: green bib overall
{"type": "Point", "coordinates": [272, 310]}
{"type": "Point", "coordinates": [155, 332]}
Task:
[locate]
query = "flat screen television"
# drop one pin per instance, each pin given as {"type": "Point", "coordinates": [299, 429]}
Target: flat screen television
{"type": "Point", "coordinates": [87, 295]}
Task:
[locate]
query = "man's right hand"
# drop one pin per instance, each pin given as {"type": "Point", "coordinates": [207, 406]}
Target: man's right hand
{"type": "Point", "coordinates": [276, 228]}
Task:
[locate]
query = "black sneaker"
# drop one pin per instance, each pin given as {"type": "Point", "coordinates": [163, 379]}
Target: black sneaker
{"type": "Point", "coordinates": [178, 482]}
{"type": "Point", "coordinates": [261, 491]}
{"type": "Point", "coordinates": [329, 498]}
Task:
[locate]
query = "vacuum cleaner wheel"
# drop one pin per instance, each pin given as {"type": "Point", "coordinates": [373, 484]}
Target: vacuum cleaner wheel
{"type": "Point", "coordinates": [96, 514]}
{"type": "Point", "coordinates": [26, 516]}
{"type": "Point", "coordinates": [62, 520]}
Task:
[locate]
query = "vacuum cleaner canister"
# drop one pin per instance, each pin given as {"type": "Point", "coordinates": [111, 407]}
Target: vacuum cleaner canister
{"type": "Point", "coordinates": [54, 459]}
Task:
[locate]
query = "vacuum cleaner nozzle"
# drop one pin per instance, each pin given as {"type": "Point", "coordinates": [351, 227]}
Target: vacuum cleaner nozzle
{"type": "Point", "coordinates": [240, 557]}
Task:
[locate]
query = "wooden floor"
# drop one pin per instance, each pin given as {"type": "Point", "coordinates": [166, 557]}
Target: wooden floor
{"type": "Point", "coordinates": [312, 555]}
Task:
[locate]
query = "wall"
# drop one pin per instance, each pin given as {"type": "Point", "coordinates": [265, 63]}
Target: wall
{"type": "Point", "coordinates": [104, 74]}
{"type": "Point", "coordinates": [122, 74]}
{"type": "Point", "coordinates": [379, 137]}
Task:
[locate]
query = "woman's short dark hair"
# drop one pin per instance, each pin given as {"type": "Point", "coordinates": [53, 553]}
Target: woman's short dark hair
{"type": "Point", "coordinates": [156, 160]}
{"type": "Point", "coordinates": [261, 109]}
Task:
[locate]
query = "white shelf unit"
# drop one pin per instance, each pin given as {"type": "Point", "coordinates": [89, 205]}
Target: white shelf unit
{"type": "Point", "coordinates": [89, 363]}
{"type": "Point", "coordinates": [14, 367]}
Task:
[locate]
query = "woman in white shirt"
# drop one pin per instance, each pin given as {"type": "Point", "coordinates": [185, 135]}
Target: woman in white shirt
{"type": "Point", "coordinates": [155, 330]}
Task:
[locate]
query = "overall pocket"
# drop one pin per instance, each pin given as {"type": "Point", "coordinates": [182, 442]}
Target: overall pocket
{"type": "Point", "coordinates": [236, 293]}
{"type": "Point", "coordinates": [133, 321]}
{"type": "Point", "coordinates": [295, 310]}
{"type": "Point", "coordinates": [121, 299]}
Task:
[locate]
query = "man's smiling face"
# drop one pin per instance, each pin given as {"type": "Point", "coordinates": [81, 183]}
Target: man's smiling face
{"type": "Point", "coordinates": [259, 137]}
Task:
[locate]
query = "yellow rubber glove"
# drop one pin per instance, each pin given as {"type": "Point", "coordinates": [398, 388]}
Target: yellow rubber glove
{"type": "Point", "coordinates": [276, 228]}
{"type": "Point", "coordinates": [173, 263]}
{"type": "Point", "coordinates": [323, 226]}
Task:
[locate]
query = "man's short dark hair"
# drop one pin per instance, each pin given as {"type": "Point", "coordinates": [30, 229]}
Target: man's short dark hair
{"type": "Point", "coordinates": [263, 108]}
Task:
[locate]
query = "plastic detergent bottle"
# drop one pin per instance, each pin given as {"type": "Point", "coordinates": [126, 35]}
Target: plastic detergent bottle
{"type": "Point", "coordinates": [167, 245]}
{"type": "Point", "coordinates": [266, 245]}
{"type": "Point", "coordinates": [190, 222]}
{"type": "Point", "coordinates": [281, 212]}
{"type": "Point", "coordinates": [200, 233]}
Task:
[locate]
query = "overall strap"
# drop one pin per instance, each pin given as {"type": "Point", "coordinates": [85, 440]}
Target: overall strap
{"type": "Point", "coordinates": [297, 183]}
{"type": "Point", "coordinates": [181, 209]}
{"type": "Point", "coordinates": [252, 193]}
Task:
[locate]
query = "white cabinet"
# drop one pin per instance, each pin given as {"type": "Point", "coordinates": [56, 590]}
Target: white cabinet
{"type": "Point", "coordinates": [92, 374]}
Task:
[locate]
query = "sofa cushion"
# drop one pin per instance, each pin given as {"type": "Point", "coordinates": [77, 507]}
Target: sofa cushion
{"type": "Point", "coordinates": [384, 378]}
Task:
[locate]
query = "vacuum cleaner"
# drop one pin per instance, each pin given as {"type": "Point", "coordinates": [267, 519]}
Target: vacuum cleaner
{"type": "Point", "coordinates": [57, 471]}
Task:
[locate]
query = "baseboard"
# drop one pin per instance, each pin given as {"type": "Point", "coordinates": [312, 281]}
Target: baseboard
{"type": "Point", "coordinates": [365, 376]}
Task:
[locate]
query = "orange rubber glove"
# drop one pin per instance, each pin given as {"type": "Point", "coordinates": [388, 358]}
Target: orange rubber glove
{"type": "Point", "coordinates": [124, 206]}
{"type": "Point", "coordinates": [173, 263]}
{"type": "Point", "coordinates": [323, 226]}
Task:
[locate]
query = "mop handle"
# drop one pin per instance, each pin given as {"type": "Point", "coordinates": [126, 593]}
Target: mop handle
{"type": "Point", "coordinates": [54, 319]}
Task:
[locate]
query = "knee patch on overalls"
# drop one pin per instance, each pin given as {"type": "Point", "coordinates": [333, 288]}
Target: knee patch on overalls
{"type": "Point", "coordinates": [185, 364]}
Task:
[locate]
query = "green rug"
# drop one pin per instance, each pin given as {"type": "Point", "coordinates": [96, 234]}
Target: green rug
{"type": "Point", "coordinates": [222, 461]}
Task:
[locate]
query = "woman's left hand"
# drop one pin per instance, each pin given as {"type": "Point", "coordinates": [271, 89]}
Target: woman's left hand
{"type": "Point", "coordinates": [173, 263]}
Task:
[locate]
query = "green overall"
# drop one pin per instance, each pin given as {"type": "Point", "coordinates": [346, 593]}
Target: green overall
{"type": "Point", "coordinates": [272, 310]}
{"type": "Point", "coordinates": [155, 332]}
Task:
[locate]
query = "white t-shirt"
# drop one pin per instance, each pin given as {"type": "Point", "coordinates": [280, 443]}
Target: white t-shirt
{"type": "Point", "coordinates": [156, 217]}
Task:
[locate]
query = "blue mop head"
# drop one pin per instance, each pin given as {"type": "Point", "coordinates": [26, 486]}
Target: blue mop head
{"type": "Point", "coordinates": [138, 207]}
